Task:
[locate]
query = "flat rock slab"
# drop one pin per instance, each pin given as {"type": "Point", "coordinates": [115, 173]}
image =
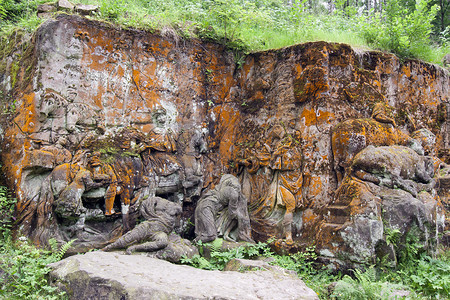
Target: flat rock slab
{"type": "Point", "coordinates": [103, 275]}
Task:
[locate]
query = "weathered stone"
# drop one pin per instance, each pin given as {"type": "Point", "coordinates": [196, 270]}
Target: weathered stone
{"type": "Point", "coordinates": [96, 275]}
{"type": "Point", "coordinates": [245, 265]}
{"type": "Point", "coordinates": [176, 249]}
{"type": "Point", "coordinates": [352, 136]}
{"type": "Point", "coordinates": [45, 8]}
{"type": "Point", "coordinates": [65, 5]}
{"type": "Point", "coordinates": [160, 217]}
{"type": "Point", "coordinates": [385, 190]}
{"type": "Point", "coordinates": [169, 118]}
{"type": "Point", "coordinates": [223, 212]}
{"type": "Point", "coordinates": [85, 9]}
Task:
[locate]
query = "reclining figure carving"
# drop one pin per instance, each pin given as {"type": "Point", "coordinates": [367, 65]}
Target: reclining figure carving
{"type": "Point", "coordinates": [220, 210]}
{"type": "Point", "coordinates": [394, 166]}
{"type": "Point", "coordinates": [161, 216]}
{"type": "Point", "coordinates": [351, 136]}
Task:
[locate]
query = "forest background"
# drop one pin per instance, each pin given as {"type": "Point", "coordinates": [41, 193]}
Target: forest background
{"type": "Point", "coordinates": [418, 29]}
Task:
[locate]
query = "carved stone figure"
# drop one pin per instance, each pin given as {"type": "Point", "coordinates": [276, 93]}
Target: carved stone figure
{"type": "Point", "coordinates": [68, 203]}
{"type": "Point", "coordinates": [394, 166]}
{"type": "Point", "coordinates": [220, 210]}
{"type": "Point", "coordinates": [352, 136]}
{"type": "Point", "coordinates": [281, 167]}
{"type": "Point", "coordinates": [383, 113]}
{"type": "Point", "coordinates": [103, 171]}
{"type": "Point", "coordinates": [161, 216]}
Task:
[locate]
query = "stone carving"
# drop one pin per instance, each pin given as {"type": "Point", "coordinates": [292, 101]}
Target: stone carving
{"type": "Point", "coordinates": [391, 183]}
{"type": "Point", "coordinates": [351, 136]}
{"type": "Point", "coordinates": [161, 216]}
{"type": "Point", "coordinates": [221, 211]}
{"type": "Point", "coordinates": [280, 186]}
{"type": "Point", "coordinates": [165, 128]}
{"type": "Point", "coordinates": [394, 166]}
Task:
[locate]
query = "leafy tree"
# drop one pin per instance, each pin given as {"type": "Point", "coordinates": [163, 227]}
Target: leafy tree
{"type": "Point", "coordinates": [400, 30]}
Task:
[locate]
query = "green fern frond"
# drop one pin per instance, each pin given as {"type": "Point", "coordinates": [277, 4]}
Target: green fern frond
{"type": "Point", "coordinates": [63, 249]}
{"type": "Point", "coordinates": [216, 245]}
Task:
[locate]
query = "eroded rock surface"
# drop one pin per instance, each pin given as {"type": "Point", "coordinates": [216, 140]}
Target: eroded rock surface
{"type": "Point", "coordinates": [96, 275]}
{"type": "Point", "coordinates": [104, 118]}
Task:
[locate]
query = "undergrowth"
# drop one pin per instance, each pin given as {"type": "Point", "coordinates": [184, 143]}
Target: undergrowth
{"type": "Point", "coordinates": [417, 276]}
{"type": "Point", "coordinates": [254, 25]}
{"type": "Point", "coordinates": [23, 267]}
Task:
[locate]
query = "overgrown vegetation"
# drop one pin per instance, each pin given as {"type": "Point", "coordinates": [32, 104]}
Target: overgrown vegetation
{"type": "Point", "coordinates": [410, 29]}
{"type": "Point", "coordinates": [23, 267]}
{"type": "Point", "coordinates": [417, 276]}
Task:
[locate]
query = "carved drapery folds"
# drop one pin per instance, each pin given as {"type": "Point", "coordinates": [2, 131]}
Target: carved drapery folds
{"type": "Point", "coordinates": [223, 211]}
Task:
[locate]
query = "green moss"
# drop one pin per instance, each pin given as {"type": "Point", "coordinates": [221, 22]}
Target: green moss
{"type": "Point", "coordinates": [14, 71]}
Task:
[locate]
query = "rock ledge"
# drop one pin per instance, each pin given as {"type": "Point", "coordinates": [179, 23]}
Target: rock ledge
{"type": "Point", "coordinates": [102, 275]}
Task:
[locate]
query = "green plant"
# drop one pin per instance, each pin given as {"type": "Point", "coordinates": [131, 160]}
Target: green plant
{"type": "Point", "coordinates": [363, 286]}
{"type": "Point", "coordinates": [23, 267]}
{"type": "Point", "coordinates": [405, 33]}
{"type": "Point", "coordinates": [6, 212]}
{"type": "Point", "coordinates": [219, 258]}
{"type": "Point", "coordinates": [392, 236]}
{"type": "Point", "coordinates": [112, 10]}
{"type": "Point", "coordinates": [2, 10]}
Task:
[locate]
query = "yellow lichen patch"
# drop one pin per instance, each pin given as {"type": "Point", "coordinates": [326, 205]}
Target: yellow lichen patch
{"type": "Point", "coordinates": [28, 117]}
{"type": "Point", "coordinates": [311, 83]}
{"type": "Point", "coordinates": [314, 186]}
{"type": "Point", "coordinates": [406, 69]}
{"type": "Point", "coordinates": [310, 117]}
{"type": "Point", "coordinates": [227, 117]}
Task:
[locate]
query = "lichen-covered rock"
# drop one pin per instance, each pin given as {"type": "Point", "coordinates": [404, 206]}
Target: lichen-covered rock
{"type": "Point", "coordinates": [389, 188]}
{"type": "Point", "coordinates": [145, 115]}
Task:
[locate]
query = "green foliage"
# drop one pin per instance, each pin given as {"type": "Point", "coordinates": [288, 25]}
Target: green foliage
{"type": "Point", "coordinates": [23, 267]}
{"type": "Point", "coordinates": [400, 26]}
{"type": "Point", "coordinates": [6, 213]}
{"type": "Point", "coordinates": [416, 270]}
{"type": "Point", "coordinates": [219, 258]}
{"type": "Point", "coordinates": [405, 33]}
{"type": "Point", "coordinates": [2, 10]}
{"type": "Point", "coordinates": [364, 285]}
{"type": "Point", "coordinates": [422, 275]}
{"type": "Point", "coordinates": [112, 10]}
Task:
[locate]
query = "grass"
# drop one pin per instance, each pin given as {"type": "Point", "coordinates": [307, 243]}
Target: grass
{"type": "Point", "coordinates": [254, 25]}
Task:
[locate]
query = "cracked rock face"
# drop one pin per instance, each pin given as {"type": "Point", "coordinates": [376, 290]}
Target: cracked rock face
{"type": "Point", "coordinates": [104, 118]}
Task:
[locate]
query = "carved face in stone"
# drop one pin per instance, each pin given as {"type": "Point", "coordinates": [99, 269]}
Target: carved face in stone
{"type": "Point", "coordinates": [159, 117]}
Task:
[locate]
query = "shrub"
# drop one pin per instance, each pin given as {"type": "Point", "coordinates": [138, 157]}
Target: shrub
{"type": "Point", "coordinates": [23, 267]}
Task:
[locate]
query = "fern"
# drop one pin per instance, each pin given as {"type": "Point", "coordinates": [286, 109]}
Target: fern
{"type": "Point", "coordinates": [216, 245]}
{"type": "Point", "coordinates": [59, 251]}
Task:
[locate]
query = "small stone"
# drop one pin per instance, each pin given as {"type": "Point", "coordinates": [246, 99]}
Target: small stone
{"type": "Point", "coordinates": [65, 5]}
{"type": "Point", "coordinates": [45, 8]}
{"type": "Point", "coordinates": [86, 9]}
{"type": "Point", "coordinates": [44, 15]}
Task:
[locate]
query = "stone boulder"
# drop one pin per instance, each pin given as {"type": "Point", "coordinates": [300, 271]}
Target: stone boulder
{"type": "Point", "coordinates": [389, 189]}
{"type": "Point", "coordinates": [101, 275]}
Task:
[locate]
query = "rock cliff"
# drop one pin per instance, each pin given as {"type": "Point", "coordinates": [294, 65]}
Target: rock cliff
{"type": "Point", "coordinates": [98, 116]}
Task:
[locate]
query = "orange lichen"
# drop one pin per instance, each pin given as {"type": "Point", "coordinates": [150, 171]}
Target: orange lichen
{"type": "Point", "coordinates": [310, 117]}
